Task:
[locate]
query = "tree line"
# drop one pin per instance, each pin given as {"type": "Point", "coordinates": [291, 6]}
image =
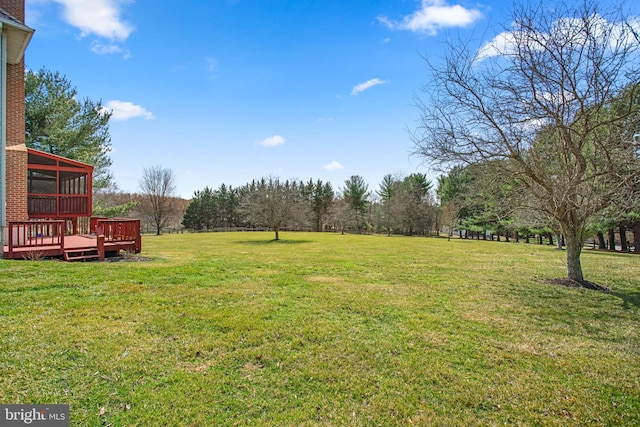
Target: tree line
{"type": "Point", "coordinates": [472, 202]}
{"type": "Point", "coordinates": [401, 205]}
{"type": "Point", "coordinates": [476, 202]}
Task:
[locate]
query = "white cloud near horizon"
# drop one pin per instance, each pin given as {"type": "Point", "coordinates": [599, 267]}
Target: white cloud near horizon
{"type": "Point", "coordinates": [434, 15]}
{"type": "Point", "coordinates": [97, 17]}
{"type": "Point", "coordinates": [367, 85]}
{"type": "Point", "coordinates": [272, 141]}
{"type": "Point", "coordinates": [124, 110]}
{"type": "Point", "coordinates": [333, 166]}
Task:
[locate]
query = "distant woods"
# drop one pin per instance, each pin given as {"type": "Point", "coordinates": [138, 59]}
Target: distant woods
{"type": "Point", "coordinates": [471, 202]}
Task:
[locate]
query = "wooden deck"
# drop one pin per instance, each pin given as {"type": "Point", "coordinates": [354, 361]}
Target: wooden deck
{"type": "Point", "coordinates": [38, 239]}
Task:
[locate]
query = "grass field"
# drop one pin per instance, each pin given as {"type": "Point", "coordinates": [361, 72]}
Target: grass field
{"type": "Point", "coordinates": [324, 329]}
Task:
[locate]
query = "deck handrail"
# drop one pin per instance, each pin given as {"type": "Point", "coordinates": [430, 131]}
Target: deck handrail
{"type": "Point", "coordinates": [58, 204]}
{"type": "Point", "coordinates": [36, 234]}
{"type": "Point", "coordinates": [118, 230]}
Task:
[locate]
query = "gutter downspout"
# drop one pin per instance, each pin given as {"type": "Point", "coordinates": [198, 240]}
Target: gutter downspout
{"type": "Point", "coordinates": [3, 138]}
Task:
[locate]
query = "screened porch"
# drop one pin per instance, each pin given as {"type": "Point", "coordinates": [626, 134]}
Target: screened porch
{"type": "Point", "coordinates": [57, 188]}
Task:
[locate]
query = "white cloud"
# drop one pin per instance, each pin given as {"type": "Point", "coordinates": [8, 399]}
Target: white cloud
{"type": "Point", "coordinates": [124, 110]}
{"type": "Point", "coordinates": [333, 166]}
{"type": "Point", "coordinates": [272, 141]}
{"type": "Point", "coordinates": [434, 15]}
{"type": "Point", "coordinates": [105, 49]}
{"type": "Point", "coordinates": [98, 17]}
{"type": "Point", "coordinates": [212, 64]}
{"type": "Point", "coordinates": [109, 49]}
{"type": "Point", "coordinates": [366, 85]}
{"type": "Point", "coordinates": [504, 43]}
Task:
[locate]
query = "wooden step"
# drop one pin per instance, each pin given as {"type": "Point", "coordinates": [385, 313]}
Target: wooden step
{"type": "Point", "coordinates": [81, 254]}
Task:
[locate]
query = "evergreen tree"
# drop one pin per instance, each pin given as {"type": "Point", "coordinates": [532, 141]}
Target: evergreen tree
{"type": "Point", "coordinates": [57, 122]}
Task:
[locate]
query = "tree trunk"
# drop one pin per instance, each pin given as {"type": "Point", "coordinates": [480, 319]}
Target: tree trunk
{"type": "Point", "coordinates": [636, 237]}
{"type": "Point", "coordinates": [550, 238]}
{"type": "Point", "coordinates": [506, 236]}
{"type": "Point", "coordinates": [277, 234]}
{"type": "Point", "coordinates": [623, 239]}
{"type": "Point", "coordinates": [558, 241]}
{"type": "Point", "coordinates": [612, 240]}
{"type": "Point", "coordinates": [574, 249]}
{"type": "Point", "coordinates": [540, 242]}
{"type": "Point", "coordinates": [526, 237]}
{"type": "Point", "coordinates": [602, 244]}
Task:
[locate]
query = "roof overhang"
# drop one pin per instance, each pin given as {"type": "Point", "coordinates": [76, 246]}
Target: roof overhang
{"type": "Point", "coordinates": [73, 163]}
{"type": "Point", "coordinates": [18, 37]}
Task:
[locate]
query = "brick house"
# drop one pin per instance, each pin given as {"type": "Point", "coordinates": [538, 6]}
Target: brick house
{"type": "Point", "coordinates": [44, 197]}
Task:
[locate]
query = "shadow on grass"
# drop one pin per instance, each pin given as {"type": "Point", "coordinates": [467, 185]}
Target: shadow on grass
{"type": "Point", "coordinates": [605, 253]}
{"type": "Point", "coordinates": [271, 242]}
{"type": "Point", "coordinates": [629, 299]}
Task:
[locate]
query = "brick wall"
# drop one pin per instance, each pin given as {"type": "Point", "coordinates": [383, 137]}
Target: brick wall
{"type": "Point", "coordinates": [14, 8]}
{"type": "Point", "coordinates": [17, 183]}
{"type": "Point", "coordinates": [16, 151]}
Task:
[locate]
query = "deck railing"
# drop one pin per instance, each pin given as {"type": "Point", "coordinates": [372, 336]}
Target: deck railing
{"type": "Point", "coordinates": [118, 230]}
{"type": "Point", "coordinates": [36, 235]}
{"type": "Point", "coordinates": [58, 205]}
{"type": "Point", "coordinates": [48, 236]}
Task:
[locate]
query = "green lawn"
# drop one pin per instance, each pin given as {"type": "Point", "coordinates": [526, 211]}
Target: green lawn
{"type": "Point", "coordinates": [324, 329]}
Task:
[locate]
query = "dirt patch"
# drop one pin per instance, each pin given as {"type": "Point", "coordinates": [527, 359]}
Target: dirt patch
{"type": "Point", "coordinates": [570, 283]}
{"type": "Point", "coordinates": [127, 257]}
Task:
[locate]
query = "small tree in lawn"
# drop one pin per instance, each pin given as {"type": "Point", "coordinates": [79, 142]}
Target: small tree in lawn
{"type": "Point", "coordinates": [274, 204]}
{"type": "Point", "coordinates": [158, 187]}
{"type": "Point", "coordinates": [343, 216]}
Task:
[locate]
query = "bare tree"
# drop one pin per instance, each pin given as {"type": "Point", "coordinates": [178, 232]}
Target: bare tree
{"type": "Point", "coordinates": [274, 204]}
{"type": "Point", "coordinates": [158, 186]}
{"type": "Point", "coordinates": [449, 217]}
{"type": "Point", "coordinates": [537, 100]}
{"type": "Point", "coordinates": [343, 216]}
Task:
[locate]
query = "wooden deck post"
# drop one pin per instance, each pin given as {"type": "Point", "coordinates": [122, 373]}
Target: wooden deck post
{"type": "Point", "coordinates": [62, 230]}
{"type": "Point", "coordinates": [138, 237]}
{"type": "Point", "coordinates": [100, 242]}
{"type": "Point", "coordinates": [10, 253]}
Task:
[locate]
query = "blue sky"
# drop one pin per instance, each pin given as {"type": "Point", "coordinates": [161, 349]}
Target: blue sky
{"type": "Point", "coordinates": [225, 91]}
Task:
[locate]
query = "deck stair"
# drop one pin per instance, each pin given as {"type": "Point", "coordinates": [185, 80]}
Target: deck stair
{"type": "Point", "coordinates": [81, 254]}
